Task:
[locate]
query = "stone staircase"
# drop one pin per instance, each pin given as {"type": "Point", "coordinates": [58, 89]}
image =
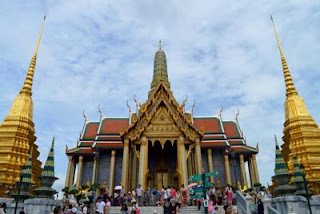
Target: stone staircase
{"type": "Point", "coordinates": [183, 210]}
{"type": "Point", "coordinates": [143, 210]}
{"type": "Point", "coordinates": [194, 210]}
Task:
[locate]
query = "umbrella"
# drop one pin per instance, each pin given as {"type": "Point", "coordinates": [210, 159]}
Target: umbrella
{"type": "Point", "coordinates": [192, 185]}
{"type": "Point", "coordinates": [118, 188]}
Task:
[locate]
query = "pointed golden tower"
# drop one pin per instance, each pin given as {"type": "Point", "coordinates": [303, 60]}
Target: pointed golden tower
{"type": "Point", "coordinates": [300, 130]}
{"type": "Point", "coordinates": [17, 133]}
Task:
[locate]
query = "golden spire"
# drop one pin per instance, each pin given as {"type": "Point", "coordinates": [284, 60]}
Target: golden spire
{"type": "Point", "coordinates": [27, 86]}
{"type": "Point", "coordinates": [290, 89]}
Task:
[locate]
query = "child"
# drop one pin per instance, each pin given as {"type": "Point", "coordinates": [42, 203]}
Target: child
{"type": "Point", "coordinates": [124, 209]}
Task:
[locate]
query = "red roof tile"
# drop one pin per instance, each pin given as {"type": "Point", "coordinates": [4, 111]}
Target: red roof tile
{"type": "Point", "coordinates": [113, 125]}
{"type": "Point", "coordinates": [210, 124]}
{"type": "Point", "coordinates": [231, 129]}
{"type": "Point", "coordinates": [91, 130]}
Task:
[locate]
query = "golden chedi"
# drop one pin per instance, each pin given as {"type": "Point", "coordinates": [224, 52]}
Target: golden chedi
{"type": "Point", "coordinates": [17, 134]}
{"type": "Point", "coordinates": [300, 130]}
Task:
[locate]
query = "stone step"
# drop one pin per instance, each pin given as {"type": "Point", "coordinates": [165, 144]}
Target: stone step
{"type": "Point", "coordinates": [183, 210]}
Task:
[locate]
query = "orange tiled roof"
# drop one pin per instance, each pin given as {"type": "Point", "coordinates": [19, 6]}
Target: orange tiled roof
{"type": "Point", "coordinates": [90, 131]}
{"type": "Point", "coordinates": [210, 124]}
{"type": "Point", "coordinates": [231, 129]}
{"type": "Point", "coordinates": [113, 125]}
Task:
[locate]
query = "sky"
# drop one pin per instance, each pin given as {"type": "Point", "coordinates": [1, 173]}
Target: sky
{"type": "Point", "coordinates": [100, 52]}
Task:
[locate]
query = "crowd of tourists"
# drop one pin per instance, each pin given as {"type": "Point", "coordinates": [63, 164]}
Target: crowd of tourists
{"type": "Point", "coordinates": [170, 198]}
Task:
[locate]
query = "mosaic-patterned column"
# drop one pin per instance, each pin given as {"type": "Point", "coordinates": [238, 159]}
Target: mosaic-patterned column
{"type": "Point", "coordinates": [79, 173]}
{"type": "Point", "coordinates": [189, 162]}
{"type": "Point", "coordinates": [143, 162]}
{"type": "Point", "coordinates": [255, 168]}
{"type": "Point", "coordinates": [182, 164]}
{"type": "Point", "coordinates": [210, 164]}
{"type": "Point", "coordinates": [251, 172]}
{"type": "Point", "coordinates": [227, 169]}
{"type": "Point", "coordinates": [125, 165]}
{"type": "Point", "coordinates": [243, 171]}
{"type": "Point", "coordinates": [111, 174]}
{"type": "Point", "coordinates": [198, 156]}
{"type": "Point", "coordinates": [95, 168]}
{"type": "Point", "coordinates": [68, 178]}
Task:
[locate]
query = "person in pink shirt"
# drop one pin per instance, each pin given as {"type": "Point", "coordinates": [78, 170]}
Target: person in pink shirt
{"type": "Point", "coordinates": [173, 192]}
{"type": "Point", "coordinates": [210, 207]}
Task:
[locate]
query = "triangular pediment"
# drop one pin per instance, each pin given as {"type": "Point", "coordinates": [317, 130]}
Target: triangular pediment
{"type": "Point", "coordinates": [161, 112]}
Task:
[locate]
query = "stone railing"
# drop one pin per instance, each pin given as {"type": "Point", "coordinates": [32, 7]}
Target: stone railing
{"type": "Point", "coordinates": [241, 202]}
{"type": "Point", "coordinates": [272, 210]}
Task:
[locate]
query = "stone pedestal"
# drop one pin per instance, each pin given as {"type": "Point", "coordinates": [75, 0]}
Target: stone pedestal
{"type": "Point", "coordinates": [40, 205]}
{"type": "Point", "coordinates": [11, 203]}
{"type": "Point", "coordinates": [284, 204]}
{"type": "Point", "coordinates": [248, 203]}
{"type": "Point", "coordinates": [266, 202]}
{"type": "Point", "coordinates": [315, 203]}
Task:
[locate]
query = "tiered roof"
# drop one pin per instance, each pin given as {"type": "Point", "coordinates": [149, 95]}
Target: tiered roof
{"type": "Point", "coordinates": [106, 134]}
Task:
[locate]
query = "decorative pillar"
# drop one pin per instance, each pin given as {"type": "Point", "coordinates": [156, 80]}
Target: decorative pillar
{"type": "Point", "coordinates": [198, 156]}
{"type": "Point", "coordinates": [193, 163]}
{"type": "Point", "coordinates": [251, 172]}
{"type": "Point", "coordinates": [95, 167]}
{"type": "Point", "coordinates": [73, 170]}
{"type": "Point", "coordinates": [255, 168]}
{"type": "Point", "coordinates": [227, 169]}
{"type": "Point", "coordinates": [125, 165]}
{"type": "Point", "coordinates": [134, 170]}
{"type": "Point", "coordinates": [210, 164]}
{"type": "Point", "coordinates": [111, 174]}
{"type": "Point", "coordinates": [129, 187]}
{"type": "Point", "coordinates": [243, 171]}
{"type": "Point", "coordinates": [79, 175]}
{"type": "Point", "coordinates": [143, 162]}
{"type": "Point", "coordinates": [68, 178]}
{"type": "Point", "coordinates": [182, 162]}
{"type": "Point", "coordinates": [189, 162]}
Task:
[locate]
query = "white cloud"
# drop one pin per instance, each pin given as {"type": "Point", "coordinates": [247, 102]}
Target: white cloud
{"type": "Point", "coordinates": [101, 52]}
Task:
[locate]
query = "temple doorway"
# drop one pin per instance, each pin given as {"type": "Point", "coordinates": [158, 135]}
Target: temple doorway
{"type": "Point", "coordinates": [162, 164]}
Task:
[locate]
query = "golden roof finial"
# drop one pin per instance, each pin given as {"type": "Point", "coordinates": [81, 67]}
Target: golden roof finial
{"type": "Point", "coordinates": [290, 89]}
{"type": "Point", "coordinates": [27, 86]}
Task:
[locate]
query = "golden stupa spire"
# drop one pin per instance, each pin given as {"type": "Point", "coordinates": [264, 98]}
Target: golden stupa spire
{"type": "Point", "coordinates": [290, 89]}
{"type": "Point", "coordinates": [17, 133]}
{"type": "Point", "coordinates": [27, 86]}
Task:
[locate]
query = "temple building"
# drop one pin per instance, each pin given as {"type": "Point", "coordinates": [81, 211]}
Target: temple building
{"type": "Point", "coordinates": [301, 132]}
{"type": "Point", "coordinates": [160, 143]}
{"type": "Point", "coordinates": [17, 134]}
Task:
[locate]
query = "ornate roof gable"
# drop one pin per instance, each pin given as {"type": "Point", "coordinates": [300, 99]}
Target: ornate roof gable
{"type": "Point", "coordinates": [161, 96]}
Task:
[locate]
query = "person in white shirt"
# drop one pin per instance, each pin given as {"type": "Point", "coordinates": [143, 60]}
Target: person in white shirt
{"type": "Point", "coordinates": [168, 194]}
{"type": "Point", "coordinates": [100, 206]}
{"type": "Point", "coordinates": [139, 194]}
